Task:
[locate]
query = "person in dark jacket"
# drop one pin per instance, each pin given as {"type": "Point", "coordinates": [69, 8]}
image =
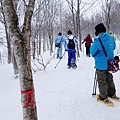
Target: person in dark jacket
{"type": "Point", "coordinates": [88, 41]}
{"type": "Point", "coordinates": [104, 78]}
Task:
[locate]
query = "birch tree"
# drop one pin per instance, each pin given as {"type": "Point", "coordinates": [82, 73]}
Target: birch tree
{"type": "Point", "coordinates": [21, 46]}
{"type": "Point", "coordinates": [115, 15]}
{"type": "Point", "coordinates": [106, 8]}
{"type": "Point", "coordinates": [7, 35]}
{"type": "Point", "coordinates": [50, 10]}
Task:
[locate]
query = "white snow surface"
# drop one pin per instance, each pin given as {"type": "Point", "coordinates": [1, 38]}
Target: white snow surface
{"type": "Point", "coordinates": [61, 93]}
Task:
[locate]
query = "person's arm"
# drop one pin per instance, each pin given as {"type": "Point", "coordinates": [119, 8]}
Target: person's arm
{"type": "Point", "coordinates": [85, 39]}
{"type": "Point", "coordinates": [65, 45]}
{"type": "Point", "coordinates": [76, 41]}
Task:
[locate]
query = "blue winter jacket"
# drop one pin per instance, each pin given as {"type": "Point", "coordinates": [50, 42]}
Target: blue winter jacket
{"type": "Point", "coordinates": [67, 40]}
{"type": "Point", "coordinates": [97, 52]}
{"type": "Point", "coordinates": [59, 39]}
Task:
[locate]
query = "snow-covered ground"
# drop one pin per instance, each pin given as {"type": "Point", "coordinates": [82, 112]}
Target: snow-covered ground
{"type": "Point", "coordinates": [61, 93]}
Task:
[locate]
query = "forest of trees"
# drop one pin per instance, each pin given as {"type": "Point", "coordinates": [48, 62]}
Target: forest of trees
{"type": "Point", "coordinates": [51, 17]}
{"type": "Point", "coordinates": [29, 27]}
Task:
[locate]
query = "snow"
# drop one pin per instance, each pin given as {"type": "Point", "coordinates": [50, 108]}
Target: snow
{"type": "Point", "coordinates": [61, 93]}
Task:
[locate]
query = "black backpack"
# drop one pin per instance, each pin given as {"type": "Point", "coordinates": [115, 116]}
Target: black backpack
{"type": "Point", "coordinates": [71, 44]}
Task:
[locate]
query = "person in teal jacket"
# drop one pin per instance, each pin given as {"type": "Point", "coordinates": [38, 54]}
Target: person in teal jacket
{"type": "Point", "coordinates": [97, 51]}
{"type": "Point", "coordinates": [59, 39]}
{"type": "Point", "coordinates": [105, 79]}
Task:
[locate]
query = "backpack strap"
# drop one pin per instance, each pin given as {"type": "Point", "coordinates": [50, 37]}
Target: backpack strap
{"type": "Point", "coordinates": [103, 48]}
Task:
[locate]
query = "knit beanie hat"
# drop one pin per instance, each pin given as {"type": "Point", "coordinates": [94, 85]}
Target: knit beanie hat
{"type": "Point", "coordinates": [69, 32]}
{"type": "Point", "coordinates": [99, 28]}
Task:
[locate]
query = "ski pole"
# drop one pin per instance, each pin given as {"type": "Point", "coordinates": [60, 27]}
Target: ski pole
{"type": "Point", "coordinates": [78, 53]}
{"type": "Point", "coordinates": [95, 84]}
{"type": "Point", "coordinates": [59, 60]}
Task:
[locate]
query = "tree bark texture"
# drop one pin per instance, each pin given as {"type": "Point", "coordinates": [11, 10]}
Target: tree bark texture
{"type": "Point", "coordinates": [7, 38]}
{"type": "Point", "coordinates": [21, 47]}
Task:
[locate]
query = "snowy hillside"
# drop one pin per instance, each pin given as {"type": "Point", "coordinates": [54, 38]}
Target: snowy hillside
{"type": "Point", "coordinates": [61, 93]}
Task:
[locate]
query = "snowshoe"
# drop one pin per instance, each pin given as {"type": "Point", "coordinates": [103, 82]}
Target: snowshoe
{"type": "Point", "coordinates": [69, 67]}
{"type": "Point", "coordinates": [73, 64]}
{"type": "Point", "coordinates": [105, 101]}
{"type": "Point", "coordinates": [114, 97]}
{"type": "Point", "coordinates": [60, 57]}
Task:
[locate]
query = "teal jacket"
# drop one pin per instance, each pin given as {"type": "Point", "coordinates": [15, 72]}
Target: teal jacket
{"type": "Point", "coordinates": [97, 52]}
{"type": "Point", "coordinates": [59, 39]}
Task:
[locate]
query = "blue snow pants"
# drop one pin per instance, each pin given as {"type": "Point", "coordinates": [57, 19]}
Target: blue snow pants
{"type": "Point", "coordinates": [71, 56]}
{"type": "Point", "coordinates": [59, 52]}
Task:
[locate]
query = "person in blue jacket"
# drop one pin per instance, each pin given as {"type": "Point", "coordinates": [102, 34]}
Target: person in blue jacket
{"type": "Point", "coordinates": [105, 79]}
{"type": "Point", "coordinates": [59, 39]}
{"type": "Point", "coordinates": [70, 44]}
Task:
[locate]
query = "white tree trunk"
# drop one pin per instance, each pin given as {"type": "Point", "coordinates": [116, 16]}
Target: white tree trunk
{"type": "Point", "coordinates": [21, 47]}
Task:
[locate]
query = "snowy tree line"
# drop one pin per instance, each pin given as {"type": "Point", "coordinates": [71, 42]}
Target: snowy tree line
{"type": "Point", "coordinates": [70, 15]}
{"type": "Point", "coordinates": [29, 27]}
{"type": "Point", "coordinates": [51, 17]}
